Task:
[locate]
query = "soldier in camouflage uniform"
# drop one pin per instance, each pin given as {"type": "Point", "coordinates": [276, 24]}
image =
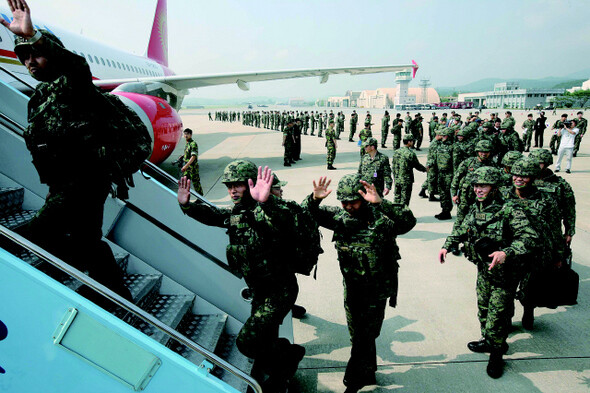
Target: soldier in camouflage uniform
{"type": "Point", "coordinates": [364, 134]}
{"type": "Point", "coordinates": [555, 139]}
{"type": "Point", "coordinates": [543, 215]}
{"type": "Point", "coordinates": [432, 125]}
{"type": "Point", "coordinates": [461, 191]}
{"type": "Point", "coordinates": [289, 143]}
{"type": "Point", "coordinates": [509, 159]}
{"type": "Point", "coordinates": [508, 122]}
{"type": "Point", "coordinates": [342, 119]}
{"type": "Point", "coordinates": [396, 131]}
{"type": "Point", "coordinates": [368, 118]}
{"type": "Point", "coordinates": [63, 124]}
{"type": "Point", "coordinates": [497, 237]}
{"type": "Point", "coordinates": [374, 167]}
{"type": "Point", "coordinates": [365, 229]}
{"type": "Point", "coordinates": [320, 125]}
{"type": "Point", "coordinates": [431, 182]}
{"type": "Point", "coordinates": [509, 141]}
{"type": "Point", "coordinates": [560, 191]}
{"type": "Point", "coordinates": [404, 162]}
{"type": "Point", "coordinates": [463, 148]}
{"type": "Point", "coordinates": [442, 159]}
{"type": "Point", "coordinates": [384, 129]}
{"type": "Point", "coordinates": [582, 125]}
{"type": "Point", "coordinates": [254, 253]}
{"type": "Point", "coordinates": [354, 119]}
{"type": "Point", "coordinates": [417, 130]}
{"type": "Point", "coordinates": [528, 126]}
{"type": "Point", "coordinates": [190, 159]}
{"type": "Point", "coordinates": [313, 122]}
{"type": "Point", "coordinates": [331, 145]}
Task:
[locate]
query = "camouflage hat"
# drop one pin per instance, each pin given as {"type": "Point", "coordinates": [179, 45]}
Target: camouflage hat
{"type": "Point", "coordinates": [348, 188]}
{"type": "Point", "coordinates": [462, 132]}
{"type": "Point", "coordinates": [511, 157]}
{"type": "Point", "coordinates": [239, 171]}
{"type": "Point", "coordinates": [544, 156]}
{"type": "Point", "coordinates": [487, 124]}
{"type": "Point", "coordinates": [486, 175]}
{"type": "Point", "coordinates": [276, 183]}
{"type": "Point", "coordinates": [526, 166]}
{"type": "Point", "coordinates": [483, 145]}
{"type": "Point", "coordinates": [444, 132]}
{"type": "Point", "coordinates": [22, 45]}
{"type": "Point", "coordinates": [409, 138]}
{"type": "Point", "coordinates": [369, 142]}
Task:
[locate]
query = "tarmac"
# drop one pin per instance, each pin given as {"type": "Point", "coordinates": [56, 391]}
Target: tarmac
{"type": "Point", "coordinates": [422, 347]}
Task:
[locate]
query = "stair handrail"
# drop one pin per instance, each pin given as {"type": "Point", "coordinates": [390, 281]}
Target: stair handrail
{"type": "Point", "coordinates": [13, 75]}
{"type": "Point", "coordinates": [128, 306]}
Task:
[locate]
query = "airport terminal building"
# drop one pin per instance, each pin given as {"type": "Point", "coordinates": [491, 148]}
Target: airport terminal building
{"type": "Point", "coordinates": [510, 95]}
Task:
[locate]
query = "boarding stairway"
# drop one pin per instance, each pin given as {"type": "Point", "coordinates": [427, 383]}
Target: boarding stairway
{"type": "Point", "coordinates": [184, 296]}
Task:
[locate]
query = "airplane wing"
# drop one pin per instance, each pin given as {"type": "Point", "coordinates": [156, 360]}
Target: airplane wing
{"type": "Point", "coordinates": [184, 82]}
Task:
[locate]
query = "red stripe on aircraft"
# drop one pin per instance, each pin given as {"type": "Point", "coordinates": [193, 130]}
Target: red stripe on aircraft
{"type": "Point", "coordinates": [7, 53]}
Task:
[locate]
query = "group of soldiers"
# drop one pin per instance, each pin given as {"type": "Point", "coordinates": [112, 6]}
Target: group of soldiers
{"type": "Point", "coordinates": [229, 116]}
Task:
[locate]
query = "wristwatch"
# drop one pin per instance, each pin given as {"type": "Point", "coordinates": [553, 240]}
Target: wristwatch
{"type": "Point", "coordinates": [36, 37]}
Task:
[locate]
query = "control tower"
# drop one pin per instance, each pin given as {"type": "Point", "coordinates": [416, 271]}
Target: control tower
{"type": "Point", "coordinates": [403, 79]}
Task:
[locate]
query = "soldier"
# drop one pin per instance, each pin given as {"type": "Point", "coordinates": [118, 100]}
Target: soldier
{"type": "Point", "coordinates": [442, 158]}
{"type": "Point", "coordinates": [384, 129]}
{"type": "Point", "coordinates": [374, 167]}
{"type": "Point", "coordinates": [404, 162]}
{"type": "Point", "coordinates": [365, 229]}
{"type": "Point", "coordinates": [463, 148]}
{"type": "Point", "coordinates": [528, 126]}
{"type": "Point", "coordinates": [342, 118]}
{"type": "Point", "coordinates": [432, 125]}
{"type": "Point", "coordinates": [582, 126]}
{"type": "Point", "coordinates": [190, 158]}
{"type": "Point", "coordinates": [331, 145]}
{"type": "Point", "coordinates": [509, 141]}
{"type": "Point", "coordinates": [313, 121]}
{"type": "Point", "coordinates": [353, 122]}
{"type": "Point", "coordinates": [210, 119]}
{"type": "Point", "coordinates": [509, 159]}
{"type": "Point", "coordinates": [254, 252]}
{"type": "Point", "coordinates": [305, 123]}
{"type": "Point", "coordinates": [364, 134]}
{"type": "Point", "coordinates": [508, 121]}
{"type": "Point", "coordinates": [368, 118]}
{"type": "Point", "coordinates": [288, 143]}
{"type": "Point", "coordinates": [396, 130]}
{"type": "Point", "coordinates": [407, 123]}
{"type": "Point", "coordinates": [497, 237]}
{"type": "Point", "coordinates": [543, 215]}
{"type": "Point", "coordinates": [320, 125]}
{"type": "Point", "coordinates": [560, 191]}
{"type": "Point", "coordinates": [431, 182]}
{"type": "Point", "coordinates": [417, 130]}
{"type": "Point", "coordinates": [62, 126]}
{"type": "Point", "coordinates": [297, 138]}
{"type": "Point", "coordinates": [276, 189]}
{"type": "Point", "coordinates": [558, 125]}
{"type": "Point", "coordinates": [461, 191]}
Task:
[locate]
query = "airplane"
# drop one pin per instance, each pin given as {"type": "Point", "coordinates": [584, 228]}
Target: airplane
{"type": "Point", "coordinates": [146, 83]}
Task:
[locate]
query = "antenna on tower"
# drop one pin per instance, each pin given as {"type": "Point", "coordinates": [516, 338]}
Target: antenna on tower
{"type": "Point", "coordinates": [424, 85]}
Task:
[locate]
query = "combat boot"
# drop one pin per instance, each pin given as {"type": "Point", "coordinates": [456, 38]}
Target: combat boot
{"type": "Point", "coordinates": [482, 346]}
{"type": "Point", "coordinates": [422, 193]}
{"type": "Point", "coordinates": [495, 367]}
{"type": "Point", "coordinates": [298, 311]}
{"type": "Point", "coordinates": [443, 216]}
{"type": "Point", "coordinates": [330, 167]}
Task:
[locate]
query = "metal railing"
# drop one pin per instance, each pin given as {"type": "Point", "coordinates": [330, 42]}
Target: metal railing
{"type": "Point", "coordinates": [128, 306]}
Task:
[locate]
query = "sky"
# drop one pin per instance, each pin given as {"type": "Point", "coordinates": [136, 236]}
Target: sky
{"type": "Point", "coordinates": [454, 42]}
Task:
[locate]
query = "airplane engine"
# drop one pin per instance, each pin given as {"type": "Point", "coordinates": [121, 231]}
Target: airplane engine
{"type": "Point", "coordinates": [162, 121]}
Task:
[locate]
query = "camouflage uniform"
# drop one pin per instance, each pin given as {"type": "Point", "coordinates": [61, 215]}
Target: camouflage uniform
{"type": "Point", "coordinates": [320, 126]}
{"type": "Point", "coordinates": [254, 253]}
{"type": "Point", "coordinates": [63, 126]}
{"type": "Point", "coordinates": [544, 217]}
{"type": "Point", "coordinates": [582, 125]}
{"type": "Point", "coordinates": [384, 129]}
{"type": "Point", "coordinates": [529, 126]}
{"type": "Point", "coordinates": [442, 158]}
{"type": "Point", "coordinates": [509, 230]}
{"type": "Point", "coordinates": [462, 149]}
{"type": "Point", "coordinates": [461, 185]}
{"type": "Point", "coordinates": [289, 144]}
{"type": "Point", "coordinates": [364, 134]}
{"type": "Point", "coordinates": [353, 122]}
{"type": "Point", "coordinates": [368, 255]}
{"type": "Point", "coordinates": [431, 182]}
{"type": "Point", "coordinates": [330, 145]}
{"type": "Point", "coordinates": [559, 189]}
{"type": "Point", "coordinates": [376, 170]}
{"type": "Point", "coordinates": [405, 161]}
{"type": "Point", "coordinates": [509, 141]}
{"type": "Point", "coordinates": [555, 139]}
{"type": "Point", "coordinates": [396, 131]}
{"type": "Point", "coordinates": [192, 172]}
{"type": "Point", "coordinates": [509, 159]}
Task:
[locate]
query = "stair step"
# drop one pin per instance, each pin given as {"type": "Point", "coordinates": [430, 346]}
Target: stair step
{"type": "Point", "coordinates": [29, 257]}
{"type": "Point", "coordinates": [169, 309]}
{"type": "Point", "coordinates": [205, 330]}
{"type": "Point", "coordinates": [11, 199]}
{"type": "Point", "coordinates": [16, 219]}
{"type": "Point", "coordinates": [228, 350]}
{"type": "Point", "coordinates": [122, 260]}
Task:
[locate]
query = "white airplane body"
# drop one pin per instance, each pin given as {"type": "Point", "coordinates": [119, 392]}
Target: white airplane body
{"type": "Point", "coordinates": [147, 85]}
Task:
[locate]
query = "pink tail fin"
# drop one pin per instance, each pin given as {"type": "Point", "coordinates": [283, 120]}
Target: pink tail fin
{"type": "Point", "coordinates": [158, 45]}
{"type": "Point", "coordinates": [415, 68]}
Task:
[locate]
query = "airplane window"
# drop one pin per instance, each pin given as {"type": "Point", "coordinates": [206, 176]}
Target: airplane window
{"type": "Point", "coordinates": [118, 64]}
{"type": "Point", "coordinates": [82, 54]}
{"type": "Point", "coordinates": [72, 51]}
{"type": "Point", "coordinates": [90, 58]}
{"type": "Point", "coordinates": [96, 58]}
{"type": "Point", "coordinates": [102, 61]}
